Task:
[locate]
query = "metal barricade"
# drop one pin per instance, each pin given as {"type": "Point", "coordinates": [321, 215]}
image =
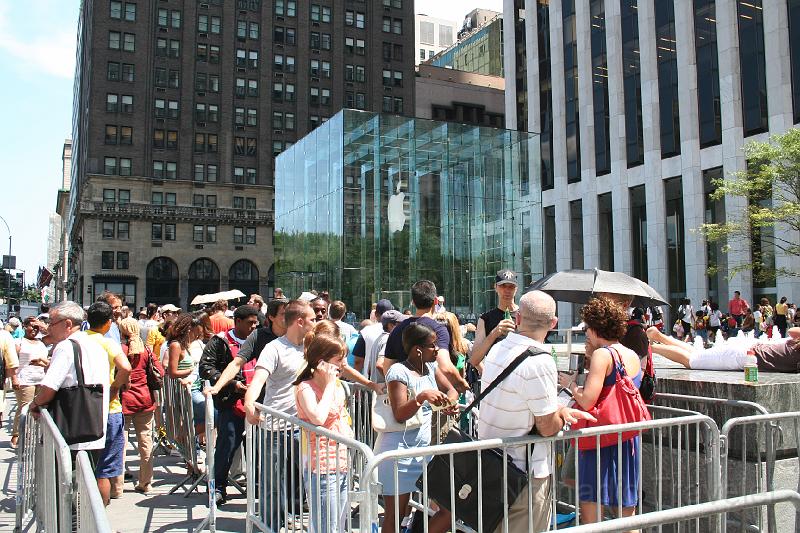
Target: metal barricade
{"type": "Point", "coordinates": [722, 407]}
{"type": "Point", "coordinates": [210, 521]}
{"type": "Point", "coordinates": [708, 510]}
{"type": "Point", "coordinates": [692, 440]}
{"type": "Point", "coordinates": [750, 449]}
{"type": "Point", "coordinates": [179, 425]}
{"type": "Point", "coordinates": [285, 458]}
{"type": "Point", "coordinates": [89, 509]}
{"type": "Point", "coordinates": [360, 410]}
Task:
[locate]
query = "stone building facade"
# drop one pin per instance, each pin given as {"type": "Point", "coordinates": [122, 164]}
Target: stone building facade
{"type": "Point", "coordinates": [180, 108]}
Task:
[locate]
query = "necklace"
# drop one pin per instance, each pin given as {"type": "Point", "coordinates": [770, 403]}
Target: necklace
{"type": "Point", "coordinates": [420, 371]}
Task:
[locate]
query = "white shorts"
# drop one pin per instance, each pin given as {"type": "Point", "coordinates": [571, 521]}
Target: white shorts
{"type": "Point", "coordinates": [723, 357]}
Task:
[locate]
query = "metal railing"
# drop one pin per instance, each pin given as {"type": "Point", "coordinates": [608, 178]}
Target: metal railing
{"type": "Point", "coordinates": [179, 425]}
{"type": "Point", "coordinates": [210, 521]}
{"type": "Point", "coordinates": [46, 495]}
{"type": "Point", "coordinates": [285, 458]}
{"type": "Point", "coordinates": [710, 510]}
{"type": "Point", "coordinates": [750, 447]}
{"type": "Point", "coordinates": [90, 513]}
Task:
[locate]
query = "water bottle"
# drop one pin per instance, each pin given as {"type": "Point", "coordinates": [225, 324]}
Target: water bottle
{"type": "Point", "coordinates": [555, 356]}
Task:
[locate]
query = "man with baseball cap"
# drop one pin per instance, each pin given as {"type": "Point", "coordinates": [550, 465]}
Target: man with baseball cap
{"type": "Point", "coordinates": [369, 334]}
{"type": "Point", "coordinates": [373, 362]}
{"type": "Point", "coordinates": [492, 325]}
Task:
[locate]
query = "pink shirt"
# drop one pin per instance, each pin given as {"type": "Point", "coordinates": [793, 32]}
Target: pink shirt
{"type": "Point", "coordinates": [332, 456]}
{"type": "Point", "coordinates": [737, 307]}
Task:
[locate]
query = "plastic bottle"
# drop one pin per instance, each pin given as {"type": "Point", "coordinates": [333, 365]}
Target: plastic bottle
{"type": "Point", "coordinates": [554, 354]}
{"type": "Point", "coordinates": [507, 314]}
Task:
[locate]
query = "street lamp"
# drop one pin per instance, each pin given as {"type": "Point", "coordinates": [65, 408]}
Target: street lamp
{"type": "Point", "coordinates": [8, 289]}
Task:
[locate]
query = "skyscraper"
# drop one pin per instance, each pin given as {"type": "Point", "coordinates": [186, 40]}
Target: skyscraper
{"type": "Point", "coordinates": [180, 108]}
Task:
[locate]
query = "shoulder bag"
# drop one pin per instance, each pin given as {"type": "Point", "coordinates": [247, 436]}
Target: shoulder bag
{"type": "Point", "coordinates": [78, 410]}
{"type": "Point", "coordinates": [383, 420]}
{"type": "Point", "coordinates": [620, 403]}
{"type": "Point", "coordinates": [155, 377]}
{"type": "Point", "coordinates": [649, 382]}
{"type": "Point", "coordinates": [463, 467]}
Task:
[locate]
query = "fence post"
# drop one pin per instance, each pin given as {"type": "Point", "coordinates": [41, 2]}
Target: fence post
{"type": "Point", "coordinates": [209, 521]}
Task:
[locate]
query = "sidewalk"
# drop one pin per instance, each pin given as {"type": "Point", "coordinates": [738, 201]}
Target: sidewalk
{"type": "Point", "coordinates": [134, 512]}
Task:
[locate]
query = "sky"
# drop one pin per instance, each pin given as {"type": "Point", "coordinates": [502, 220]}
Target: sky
{"type": "Point", "coordinates": [37, 62]}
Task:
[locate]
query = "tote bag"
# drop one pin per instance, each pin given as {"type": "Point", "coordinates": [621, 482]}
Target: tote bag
{"type": "Point", "coordinates": [620, 403]}
{"type": "Point", "coordinates": [78, 410]}
{"type": "Point", "coordinates": [466, 474]}
{"type": "Point", "coordinates": [383, 420]}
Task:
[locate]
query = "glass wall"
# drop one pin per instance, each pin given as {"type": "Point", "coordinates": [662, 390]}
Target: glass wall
{"type": "Point", "coordinates": [602, 143]}
{"type": "Point", "coordinates": [708, 104]}
{"type": "Point", "coordinates": [632, 82]}
{"type": "Point", "coordinates": [605, 227]}
{"type": "Point", "coordinates": [576, 233]}
{"type": "Point", "coordinates": [571, 104]}
{"type": "Point", "coordinates": [638, 206]}
{"type": "Point", "coordinates": [549, 235]}
{"type": "Point", "coordinates": [368, 204]}
{"type": "Point", "coordinates": [669, 116]}
{"type": "Point", "coordinates": [676, 246]}
{"type": "Point", "coordinates": [753, 67]}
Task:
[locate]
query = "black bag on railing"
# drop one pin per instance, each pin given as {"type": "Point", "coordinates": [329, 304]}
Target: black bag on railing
{"type": "Point", "coordinates": [78, 410]}
{"type": "Point", "coordinates": [155, 378]}
{"type": "Point", "coordinates": [494, 480]}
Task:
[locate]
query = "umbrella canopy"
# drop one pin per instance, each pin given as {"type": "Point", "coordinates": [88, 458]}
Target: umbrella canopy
{"type": "Point", "coordinates": [579, 286]}
{"type": "Point", "coordinates": [224, 295]}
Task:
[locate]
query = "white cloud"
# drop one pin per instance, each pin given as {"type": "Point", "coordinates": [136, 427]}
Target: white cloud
{"type": "Point", "coordinates": [51, 50]}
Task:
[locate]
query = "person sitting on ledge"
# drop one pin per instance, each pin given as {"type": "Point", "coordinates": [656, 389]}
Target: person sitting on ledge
{"type": "Point", "coordinates": [771, 356]}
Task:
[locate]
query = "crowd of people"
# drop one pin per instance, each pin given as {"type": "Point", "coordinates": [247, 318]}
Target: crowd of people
{"type": "Point", "coordinates": [292, 355]}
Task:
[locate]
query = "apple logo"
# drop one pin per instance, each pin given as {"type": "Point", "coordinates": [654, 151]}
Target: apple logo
{"type": "Point", "coordinates": [395, 212]}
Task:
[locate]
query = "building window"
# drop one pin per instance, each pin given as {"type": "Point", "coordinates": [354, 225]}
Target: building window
{"type": "Point", "coordinates": [114, 40]}
{"type": "Point", "coordinates": [127, 103]}
{"type": "Point", "coordinates": [108, 229]}
{"type": "Point", "coordinates": [426, 30]}
{"type": "Point", "coordinates": [172, 140]}
{"type": "Point", "coordinates": [124, 166]}
{"type": "Point", "coordinates": [708, 103]}
{"type": "Point", "coordinates": [111, 103]}
{"type": "Point", "coordinates": [572, 122]}
{"type": "Point", "coordinates": [128, 72]}
{"type": "Point", "coordinates": [549, 233]}
{"type": "Point", "coordinates": [156, 232]}
{"type": "Point", "coordinates": [638, 213]}
{"type": "Point", "coordinates": [107, 260]}
{"type": "Point", "coordinates": [605, 226]}
{"type": "Point", "coordinates": [125, 135]}
{"type": "Point", "coordinates": [157, 198]}
{"type": "Point", "coordinates": [238, 174]}
{"type": "Point", "coordinates": [124, 196]}
{"type": "Point", "coordinates": [174, 48]}
{"type": "Point", "coordinates": [163, 17]}
{"type": "Point", "coordinates": [752, 64]}
{"type": "Point", "coordinates": [175, 19]}
{"type": "Point", "coordinates": [113, 71]}
{"type": "Point", "coordinates": [109, 195]}
{"type": "Point", "coordinates": [115, 10]}
{"type": "Point", "coordinates": [160, 108]}
{"type": "Point", "coordinates": [211, 234]}
{"type": "Point", "coordinates": [199, 172]}
{"type": "Point", "coordinates": [631, 74]}
{"type": "Point", "coordinates": [794, 49]}
{"type": "Point", "coordinates": [130, 12]}
{"type": "Point", "coordinates": [576, 233]}
{"type": "Point", "coordinates": [158, 169]}
{"type": "Point", "coordinates": [129, 42]}
{"type": "Point", "coordinates": [211, 173]}
{"type": "Point", "coordinates": [169, 232]}
{"type": "Point", "coordinates": [172, 170]}
{"type": "Point", "coordinates": [172, 109]}
{"type": "Point", "coordinates": [158, 138]}
{"type": "Point", "coordinates": [122, 260]}
{"type": "Point", "coordinates": [252, 117]}
{"type": "Point", "coordinates": [602, 141]}
{"type": "Point", "coordinates": [111, 134]}
{"type": "Point", "coordinates": [238, 235]}
{"type": "Point", "coordinates": [669, 115]}
{"type": "Point", "coordinates": [123, 230]}
{"type": "Point", "coordinates": [110, 166]}
{"type": "Point", "coordinates": [676, 258]}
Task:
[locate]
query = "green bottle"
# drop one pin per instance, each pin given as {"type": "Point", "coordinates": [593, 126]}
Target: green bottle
{"type": "Point", "coordinates": [555, 356]}
{"type": "Point", "coordinates": [507, 314]}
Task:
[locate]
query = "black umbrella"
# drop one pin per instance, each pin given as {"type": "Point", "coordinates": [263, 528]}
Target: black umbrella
{"type": "Point", "coordinates": [579, 286]}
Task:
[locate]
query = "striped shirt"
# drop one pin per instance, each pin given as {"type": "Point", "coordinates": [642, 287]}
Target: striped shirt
{"type": "Point", "coordinates": [531, 390]}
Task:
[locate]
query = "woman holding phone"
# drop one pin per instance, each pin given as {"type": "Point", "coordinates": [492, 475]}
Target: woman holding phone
{"type": "Point", "coordinates": [32, 355]}
{"type": "Point", "coordinates": [321, 401]}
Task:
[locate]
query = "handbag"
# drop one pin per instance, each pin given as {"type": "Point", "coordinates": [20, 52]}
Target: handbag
{"type": "Point", "coordinates": [78, 410]}
{"type": "Point", "coordinates": [383, 420]}
{"type": "Point", "coordinates": [620, 403]}
{"type": "Point", "coordinates": [649, 382]}
{"type": "Point", "coordinates": [465, 472]}
{"type": "Point", "coordinates": [155, 377]}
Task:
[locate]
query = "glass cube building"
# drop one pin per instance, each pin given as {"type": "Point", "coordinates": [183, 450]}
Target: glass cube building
{"type": "Point", "coordinates": [367, 204]}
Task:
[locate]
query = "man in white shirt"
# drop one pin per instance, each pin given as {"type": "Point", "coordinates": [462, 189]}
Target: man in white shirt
{"type": "Point", "coordinates": [369, 334]}
{"type": "Point", "coordinates": [65, 324]}
{"type": "Point", "coordinates": [526, 398]}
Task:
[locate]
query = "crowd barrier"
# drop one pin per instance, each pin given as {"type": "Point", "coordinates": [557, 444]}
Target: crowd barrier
{"type": "Point", "coordinates": [279, 470]}
{"type": "Point", "coordinates": [89, 509]}
{"type": "Point", "coordinates": [46, 495]}
{"type": "Point", "coordinates": [179, 425]}
{"type": "Point", "coordinates": [210, 521]}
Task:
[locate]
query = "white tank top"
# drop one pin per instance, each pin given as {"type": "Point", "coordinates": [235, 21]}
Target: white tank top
{"type": "Point", "coordinates": [28, 374]}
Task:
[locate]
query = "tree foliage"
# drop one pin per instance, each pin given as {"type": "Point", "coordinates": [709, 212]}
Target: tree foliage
{"type": "Point", "coordinates": [771, 219]}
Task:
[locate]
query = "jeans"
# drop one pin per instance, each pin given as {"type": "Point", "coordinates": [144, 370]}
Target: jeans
{"type": "Point", "coordinates": [282, 481]}
{"type": "Point", "coordinates": [327, 500]}
{"type": "Point", "coordinates": [230, 433]}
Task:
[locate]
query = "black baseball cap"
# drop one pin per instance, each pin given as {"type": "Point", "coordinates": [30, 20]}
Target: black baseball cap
{"type": "Point", "coordinates": [506, 276]}
{"type": "Point", "coordinates": [382, 306]}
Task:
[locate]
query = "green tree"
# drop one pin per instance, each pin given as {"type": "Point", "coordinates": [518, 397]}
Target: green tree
{"type": "Point", "coordinates": [771, 219]}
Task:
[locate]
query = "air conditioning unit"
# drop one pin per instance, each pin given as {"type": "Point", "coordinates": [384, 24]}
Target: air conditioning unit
{"type": "Point", "coordinates": [203, 6]}
{"type": "Point", "coordinates": [159, 121]}
{"type": "Point", "coordinates": [239, 128]}
{"type": "Point", "coordinates": [203, 34]}
{"type": "Point", "coordinates": [201, 124]}
{"type": "Point", "coordinates": [279, 74]}
{"type": "Point", "coordinates": [162, 29]}
{"type": "Point", "coordinates": [277, 132]}
{"type": "Point", "coordinates": [161, 89]}
{"type": "Point", "coordinates": [240, 69]}
{"type": "Point", "coordinates": [201, 93]}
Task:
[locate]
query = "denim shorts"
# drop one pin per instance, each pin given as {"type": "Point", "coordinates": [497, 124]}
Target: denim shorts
{"type": "Point", "coordinates": [110, 463]}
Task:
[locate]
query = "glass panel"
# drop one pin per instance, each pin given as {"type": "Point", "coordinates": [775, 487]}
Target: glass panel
{"type": "Point", "coordinates": [708, 104]}
{"type": "Point", "coordinates": [631, 73]}
{"type": "Point", "coordinates": [545, 94]}
{"type": "Point", "coordinates": [367, 204]}
{"type": "Point", "coordinates": [638, 207]}
{"type": "Point", "coordinates": [676, 249]}
{"type": "Point", "coordinates": [602, 143]}
{"type": "Point", "coordinates": [571, 105]}
{"type": "Point", "coordinates": [576, 233]}
{"type": "Point", "coordinates": [667, 79]}
{"type": "Point", "coordinates": [753, 66]}
{"type": "Point", "coordinates": [605, 227]}
{"type": "Point", "coordinates": [794, 47]}
{"type": "Point", "coordinates": [715, 257]}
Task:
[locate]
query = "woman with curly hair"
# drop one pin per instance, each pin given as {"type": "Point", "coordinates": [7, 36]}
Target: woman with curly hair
{"type": "Point", "coordinates": [605, 322]}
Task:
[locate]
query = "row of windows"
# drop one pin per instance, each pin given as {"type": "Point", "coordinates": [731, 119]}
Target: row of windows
{"type": "Point", "coordinates": [246, 87]}
{"type": "Point", "coordinates": [206, 173]}
{"type": "Point", "coordinates": [117, 167]}
{"type": "Point", "coordinates": [118, 134]}
{"type": "Point", "coordinates": [171, 19]}
{"type": "Point", "coordinates": [247, 30]}
{"type": "Point", "coordinates": [392, 78]}
{"type": "Point", "coordinates": [208, 53]}
{"type": "Point", "coordinates": [319, 96]}
{"type": "Point", "coordinates": [165, 139]}
{"type": "Point", "coordinates": [107, 260]}
{"type": "Point", "coordinates": [246, 58]}
{"type": "Point", "coordinates": [168, 48]}
{"type": "Point", "coordinates": [169, 170]}
{"type": "Point", "coordinates": [119, 103]}
{"type": "Point", "coordinates": [121, 72]}
{"type": "Point", "coordinates": [116, 230]}
{"type": "Point", "coordinates": [122, 11]}
{"type": "Point", "coordinates": [122, 41]}
{"type": "Point", "coordinates": [167, 78]}
{"type": "Point", "coordinates": [206, 23]}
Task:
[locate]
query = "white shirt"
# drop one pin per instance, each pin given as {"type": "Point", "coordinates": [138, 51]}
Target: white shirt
{"type": "Point", "coordinates": [530, 391]}
{"type": "Point", "coordinates": [346, 330]}
{"type": "Point", "coordinates": [96, 371]}
{"type": "Point", "coordinates": [370, 334]}
{"type": "Point", "coordinates": [713, 318]}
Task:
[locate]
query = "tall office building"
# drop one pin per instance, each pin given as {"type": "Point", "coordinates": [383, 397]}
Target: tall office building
{"type": "Point", "coordinates": [640, 106]}
{"type": "Point", "coordinates": [479, 48]}
{"type": "Point", "coordinates": [180, 108]}
{"type": "Point", "coordinates": [432, 36]}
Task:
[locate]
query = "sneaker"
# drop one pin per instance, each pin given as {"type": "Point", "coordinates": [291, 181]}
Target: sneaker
{"type": "Point", "coordinates": [220, 498]}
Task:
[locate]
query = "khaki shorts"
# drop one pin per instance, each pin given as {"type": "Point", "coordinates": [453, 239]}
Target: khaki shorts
{"type": "Point", "coordinates": [540, 515]}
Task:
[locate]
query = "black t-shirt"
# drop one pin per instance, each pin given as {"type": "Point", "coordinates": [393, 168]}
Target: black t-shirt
{"type": "Point", "coordinates": [394, 344]}
{"type": "Point", "coordinates": [255, 342]}
{"type": "Point", "coordinates": [493, 317]}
